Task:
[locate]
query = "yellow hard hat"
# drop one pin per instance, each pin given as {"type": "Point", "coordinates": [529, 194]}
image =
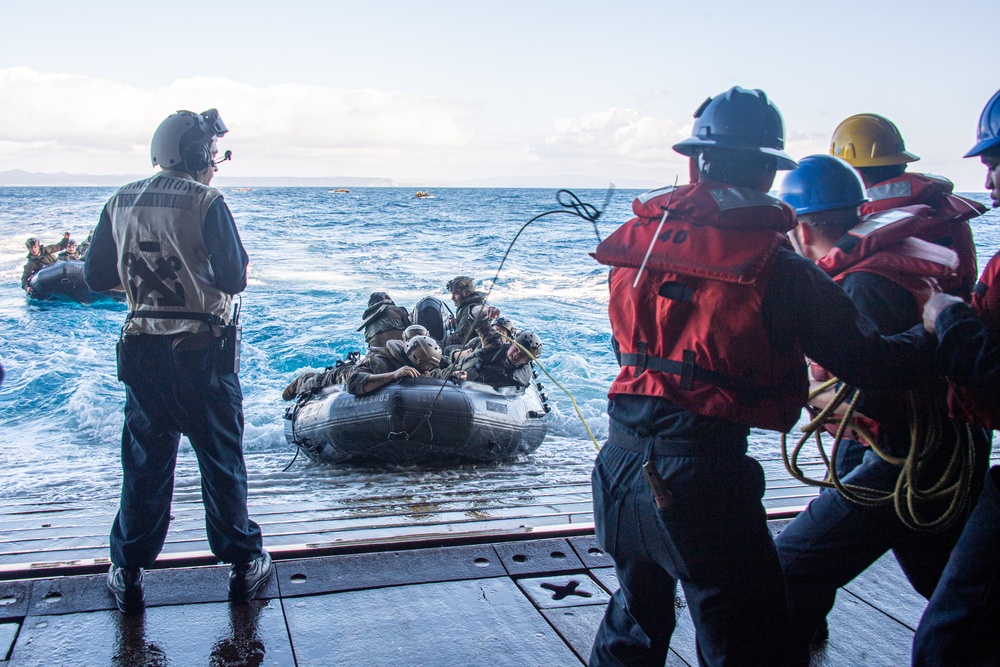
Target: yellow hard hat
{"type": "Point", "coordinates": [869, 140]}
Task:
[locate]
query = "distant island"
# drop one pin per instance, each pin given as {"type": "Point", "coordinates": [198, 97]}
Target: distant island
{"type": "Point", "coordinates": [20, 178]}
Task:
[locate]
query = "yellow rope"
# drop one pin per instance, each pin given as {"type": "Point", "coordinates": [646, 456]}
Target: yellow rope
{"type": "Point", "coordinates": [564, 390]}
{"type": "Point", "coordinates": [909, 498]}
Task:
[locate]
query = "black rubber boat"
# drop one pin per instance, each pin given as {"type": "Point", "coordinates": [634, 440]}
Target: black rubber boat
{"type": "Point", "coordinates": [64, 280]}
{"type": "Point", "coordinates": [418, 421]}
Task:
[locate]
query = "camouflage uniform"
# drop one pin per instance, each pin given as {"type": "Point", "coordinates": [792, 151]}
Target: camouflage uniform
{"type": "Point", "coordinates": [38, 262]}
{"type": "Point", "coordinates": [310, 381]}
{"type": "Point", "coordinates": [383, 320]}
{"type": "Point", "coordinates": [379, 360]}
{"type": "Point", "coordinates": [465, 322]}
{"type": "Point", "coordinates": [489, 365]}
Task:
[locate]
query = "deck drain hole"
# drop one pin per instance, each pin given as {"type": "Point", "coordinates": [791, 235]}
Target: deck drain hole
{"type": "Point", "coordinates": [53, 596]}
{"type": "Point", "coordinates": [6, 601]}
{"type": "Point", "coordinates": [594, 551]}
{"type": "Point", "coordinates": [520, 558]}
{"type": "Point", "coordinates": [557, 554]}
{"type": "Point", "coordinates": [298, 578]}
{"type": "Point", "coordinates": [481, 562]}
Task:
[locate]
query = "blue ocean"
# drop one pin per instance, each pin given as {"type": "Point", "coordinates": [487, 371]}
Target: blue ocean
{"type": "Point", "coordinates": [316, 255]}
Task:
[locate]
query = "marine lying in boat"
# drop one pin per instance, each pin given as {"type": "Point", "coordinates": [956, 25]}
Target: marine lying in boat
{"type": "Point", "coordinates": [39, 257]}
{"type": "Point", "coordinates": [310, 380]}
{"type": "Point", "coordinates": [501, 325]}
{"type": "Point", "coordinates": [502, 362]}
{"type": "Point", "coordinates": [383, 320]}
{"type": "Point", "coordinates": [421, 355]}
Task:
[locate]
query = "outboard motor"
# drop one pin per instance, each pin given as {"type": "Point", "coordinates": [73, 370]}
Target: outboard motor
{"type": "Point", "coordinates": [433, 314]}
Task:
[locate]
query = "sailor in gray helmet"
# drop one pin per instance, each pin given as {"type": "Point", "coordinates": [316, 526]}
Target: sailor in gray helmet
{"type": "Point", "coordinates": [172, 243]}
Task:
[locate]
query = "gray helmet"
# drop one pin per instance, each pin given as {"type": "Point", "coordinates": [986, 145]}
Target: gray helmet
{"type": "Point", "coordinates": [505, 324]}
{"type": "Point", "coordinates": [738, 120]}
{"type": "Point", "coordinates": [414, 330]}
{"type": "Point", "coordinates": [32, 242]}
{"type": "Point", "coordinates": [184, 139]}
{"type": "Point", "coordinates": [530, 341]}
{"type": "Point", "coordinates": [461, 284]}
{"type": "Point", "coordinates": [421, 349]}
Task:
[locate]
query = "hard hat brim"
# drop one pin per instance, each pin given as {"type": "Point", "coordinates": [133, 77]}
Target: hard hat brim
{"type": "Point", "coordinates": [694, 145]}
{"type": "Point", "coordinates": [983, 146]}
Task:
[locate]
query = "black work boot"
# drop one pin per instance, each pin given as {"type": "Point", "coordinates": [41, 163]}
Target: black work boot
{"type": "Point", "coordinates": [245, 579]}
{"type": "Point", "coordinates": [126, 585]}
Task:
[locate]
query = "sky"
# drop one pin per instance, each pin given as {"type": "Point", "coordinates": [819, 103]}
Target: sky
{"type": "Point", "coordinates": [561, 93]}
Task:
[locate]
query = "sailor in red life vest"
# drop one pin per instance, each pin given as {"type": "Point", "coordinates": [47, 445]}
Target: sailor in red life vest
{"type": "Point", "coordinates": [887, 273]}
{"type": "Point", "coordinates": [710, 314]}
{"type": "Point", "coordinates": [873, 145]}
{"type": "Point", "coordinates": [960, 623]}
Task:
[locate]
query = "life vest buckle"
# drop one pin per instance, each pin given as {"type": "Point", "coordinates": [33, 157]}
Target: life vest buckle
{"type": "Point", "coordinates": [640, 359]}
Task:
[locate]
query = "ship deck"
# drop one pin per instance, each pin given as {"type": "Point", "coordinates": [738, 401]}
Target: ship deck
{"type": "Point", "coordinates": [456, 582]}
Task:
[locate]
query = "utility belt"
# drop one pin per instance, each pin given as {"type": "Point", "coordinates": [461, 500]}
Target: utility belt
{"type": "Point", "coordinates": [224, 339]}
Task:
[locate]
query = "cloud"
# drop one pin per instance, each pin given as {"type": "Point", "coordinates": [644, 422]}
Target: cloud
{"type": "Point", "coordinates": [79, 115]}
{"type": "Point", "coordinates": [621, 136]}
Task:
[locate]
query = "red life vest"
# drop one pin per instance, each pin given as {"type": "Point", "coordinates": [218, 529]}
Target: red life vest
{"type": "Point", "coordinates": [885, 244]}
{"type": "Point", "coordinates": [688, 322]}
{"type": "Point", "coordinates": [947, 224]}
{"type": "Point", "coordinates": [882, 244]}
{"type": "Point", "coordinates": [977, 405]}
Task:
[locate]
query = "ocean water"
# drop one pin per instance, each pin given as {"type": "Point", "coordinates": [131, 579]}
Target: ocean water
{"type": "Point", "coordinates": [315, 256]}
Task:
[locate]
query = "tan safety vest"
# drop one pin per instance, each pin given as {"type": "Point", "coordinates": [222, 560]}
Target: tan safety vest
{"type": "Point", "coordinates": [157, 224]}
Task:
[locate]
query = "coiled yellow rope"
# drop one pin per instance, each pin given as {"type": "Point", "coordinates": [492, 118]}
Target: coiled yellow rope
{"type": "Point", "coordinates": [912, 496]}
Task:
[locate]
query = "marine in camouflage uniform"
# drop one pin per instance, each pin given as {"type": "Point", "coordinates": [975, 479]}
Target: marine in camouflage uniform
{"type": "Point", "coordinates": [464, 295]}
{"type": "Point", "coordinates": [501, 363]}
{"type": "Point", "coordinates": [383, 320]}
{"type": "Point", "coordinates": [40, 259]}
{"type": "Point", "coordinates": [311, 380]}
{"type": "Point", "coordinates": [420, 355]}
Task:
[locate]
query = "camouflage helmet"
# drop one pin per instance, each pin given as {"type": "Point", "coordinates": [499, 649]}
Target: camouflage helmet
{"type": "Point", "coordinates": [32, 242]}
{"type": "Point", "coordinates": [530, 341]}
{"type": "Point", "coordinates": [462, 284]}
{"type": "Point", "coordinates": [505, 324]}
{"type": "Point", "coordinates": [423, 349]}
{"type": "Point", "coordinates": [414, 330]}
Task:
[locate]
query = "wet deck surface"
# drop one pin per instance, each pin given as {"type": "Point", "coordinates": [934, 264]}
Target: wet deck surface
{"type": "Point", "coordinates": [35, 531]}
{"type": "Point", "coordinates": [377, 584]}
{"type": "Point", "coordinates": [529, 602]}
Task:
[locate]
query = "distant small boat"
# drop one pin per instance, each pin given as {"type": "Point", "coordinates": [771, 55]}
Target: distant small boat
{"type": "Point", "coordinates": [423, 194]}
{"type": "Point", "coordinates": [242, 189]}
{"type": "Point", "coordinates": [340, 190]}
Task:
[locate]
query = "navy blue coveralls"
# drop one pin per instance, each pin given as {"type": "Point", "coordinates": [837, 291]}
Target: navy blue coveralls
{"type": "Point", "coordinates": [834, 540]}
{"type": "Point", "coordinates": [713, 538]}
{"type": "Point", "coordinates": [168, 393]}
{"type": "Point", "coordinates": [959, 625]}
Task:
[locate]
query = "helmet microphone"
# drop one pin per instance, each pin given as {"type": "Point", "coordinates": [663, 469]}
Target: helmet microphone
{"type": "Point", "coordinates": [228, 155]}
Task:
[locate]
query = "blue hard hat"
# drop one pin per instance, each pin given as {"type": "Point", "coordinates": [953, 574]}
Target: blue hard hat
{"type": "Point", "coordinates": [738, 119]}
{"type": "Point", "coordinates": [822, 183]}
{"type": "Point", "coordinates": [988, 134]}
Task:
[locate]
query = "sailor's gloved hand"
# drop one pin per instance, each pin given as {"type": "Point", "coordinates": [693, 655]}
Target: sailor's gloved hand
{"type": "Point", "coordinates": [459, 376]}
